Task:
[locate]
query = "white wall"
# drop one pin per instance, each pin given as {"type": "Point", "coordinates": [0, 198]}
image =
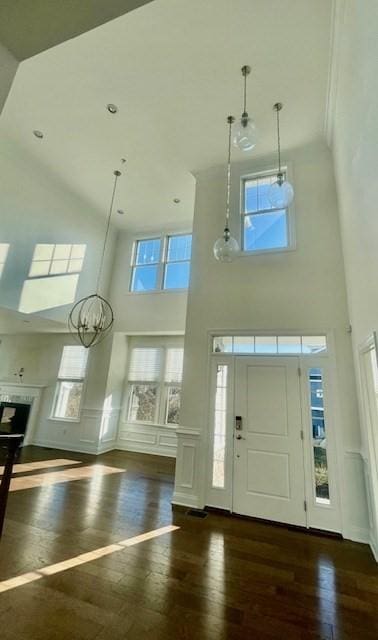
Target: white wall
{"type": "Point", "coordinates": [354, 137]}
{"type": "Point", "coordinates": [157, 313]}
{"type": "Point", "coordinates": [8, 68]}
{"type": "Point", "coordinates": [301, 290]}
{"type": "Point", "coordinates": [36, 207]}
{"type": "Point", "coordinates": [40, 356]}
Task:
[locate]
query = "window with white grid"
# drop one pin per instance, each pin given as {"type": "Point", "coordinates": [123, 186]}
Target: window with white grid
{"type": "Point", "coordinates": [264, 227]}
{"type": "Point", "coordinates": [70, 384]}
{"type": "Point", "coordinates": [154, 382]}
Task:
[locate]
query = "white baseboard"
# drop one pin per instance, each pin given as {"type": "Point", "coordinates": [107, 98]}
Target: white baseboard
{"type": "Point", "coordinates": [374, 548]}
{"type": "Point", "coordinates": [187, 500]}
{"type": "Point", "coordinates": [357, 534]}
{"type": "Point", "coordinates": [75, 448]}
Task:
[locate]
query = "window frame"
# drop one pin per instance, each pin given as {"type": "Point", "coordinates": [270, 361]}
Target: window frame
{"type": "Point", "coordinates": [162, 395]}
{"type": "Point", "coordinates": [290, 213]}
{"type": "Point", "coordinates": [59, 380]}
{"type": "Point", "coordinates": [161, 265]}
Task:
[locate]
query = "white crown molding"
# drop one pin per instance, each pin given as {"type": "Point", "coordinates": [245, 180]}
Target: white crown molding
{"type": "Point", "coordinates": [337, 23]}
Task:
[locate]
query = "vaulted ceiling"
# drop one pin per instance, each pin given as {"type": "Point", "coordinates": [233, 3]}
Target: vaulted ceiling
{"type": "Point", "coordinates": [173, 69]}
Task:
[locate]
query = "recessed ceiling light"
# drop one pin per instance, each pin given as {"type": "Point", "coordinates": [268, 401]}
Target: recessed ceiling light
{"type": "Point", "coordinates": [121, 212]}
{"type": "Point", "coordinates": [38, 134]}
{"type": "Point", "coordinates": [176, 200]}
{"type": "Point", "coordinates": [112, 108]}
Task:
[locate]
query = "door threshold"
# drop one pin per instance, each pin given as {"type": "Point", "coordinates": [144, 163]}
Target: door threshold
{"type": "Point", "coordinates": [272, 523]}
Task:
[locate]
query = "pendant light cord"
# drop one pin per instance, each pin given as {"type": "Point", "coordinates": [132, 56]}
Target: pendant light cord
{"type": "Point", "coordinates": [116, 176]}
{"type": "Point", "coordinates": [245, 94]}
{"type": "Point", "coordinates": [230, 120]}
{"type": "Point", "coordinates": [278, 140]}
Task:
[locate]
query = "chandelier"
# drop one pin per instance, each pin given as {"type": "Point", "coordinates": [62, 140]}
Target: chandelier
{"type": "Point", "coordinates": [91, 318]}
{"type": "Point", "coordinates": [280, 193]}
{"type": "Point", "coordinates": [245, 133]}
{"type": "Point", "coordinates": [226, 248]}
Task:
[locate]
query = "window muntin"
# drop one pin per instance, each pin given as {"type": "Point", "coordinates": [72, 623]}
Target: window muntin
{"type": "Point", "coordinates": [55, 259]}
{"type": "Point", "coordinates": [270, 345]}
{"type": "Point", "coordinates": [318, 433]}
{"type": "Point", "coordinates": [70, 384]}
{"type": "Point", "coordinates": [220, 426]}
{"type": "Point", "coordinates": [155, 375]}
{"type": "Point", "coordinates": [146, 265]}
{"type": "Point", "coordinates": [161, 263]}
{"type": "Point", "coordinates": [177, 266]}
{"type": "Point", "coordinates": [265, 228]}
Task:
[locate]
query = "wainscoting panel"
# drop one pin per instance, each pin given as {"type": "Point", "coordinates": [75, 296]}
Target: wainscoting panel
{"type": "Point", "coordinates": [188, 483]}
{"type": "Point", "coordinates": [142, 438]}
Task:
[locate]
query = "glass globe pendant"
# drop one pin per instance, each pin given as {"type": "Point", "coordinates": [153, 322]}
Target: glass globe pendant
{"type": "Point", "coordinates": [245, 132]}
{"type": "Point", "coordinates": [91, 318]}
{"type": "Point", "coordinates": [281, 192]}
{"type": "Point", "coordinates": [226, 248]}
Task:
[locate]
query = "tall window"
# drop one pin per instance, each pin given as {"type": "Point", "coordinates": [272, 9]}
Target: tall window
{"type": "Point", "coordinates": [319, 436]}
{"type": "Point", "coordinates": [69, 389]}
{"type": "Point", "coordinates": [155, 375]}
{"type": "Point", "coordinates": [161, 263]}
{"type": "Point", "coordinates": [220, 427]}
{"type": "Point", "coordinates": [265, 228]}
{"type": "Point", "coordinates": [177, 265]}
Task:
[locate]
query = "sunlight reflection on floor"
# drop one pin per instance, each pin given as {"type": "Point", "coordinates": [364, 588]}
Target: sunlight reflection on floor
{"type": "Point", "coordinates": [31, 576]}
{"type": "Point", "coordinates": [66, 475]}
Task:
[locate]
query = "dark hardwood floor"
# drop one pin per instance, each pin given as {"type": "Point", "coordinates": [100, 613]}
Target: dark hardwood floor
{"type": "Point", "coordinates": [71, 541]}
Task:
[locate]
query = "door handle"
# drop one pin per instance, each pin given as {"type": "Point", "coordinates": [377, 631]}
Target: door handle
{"type": "Point", "coordinates": [239, 437]}
{"type": "Point", "coordinates": [238, 423]}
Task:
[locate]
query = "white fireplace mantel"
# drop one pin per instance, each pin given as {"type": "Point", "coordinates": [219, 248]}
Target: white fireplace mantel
{"type": "Point", "coordinates": [23, 390]}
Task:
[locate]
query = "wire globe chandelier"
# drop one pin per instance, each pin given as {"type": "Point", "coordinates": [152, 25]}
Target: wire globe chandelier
{"type": "Point", "coordinates": [91, 318]}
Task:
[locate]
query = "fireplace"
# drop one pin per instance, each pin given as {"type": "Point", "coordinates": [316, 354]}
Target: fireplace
{"type": "Point", "coordinates": [19, 408]}
{"type": "Point", "coordinates": [14, 417]}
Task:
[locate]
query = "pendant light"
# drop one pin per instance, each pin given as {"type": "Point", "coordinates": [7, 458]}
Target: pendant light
{"type": "Point", "coordinates": [280, 193]}
{"type": "Point", "coordinates": [226, 247]}
{"type": "Point", "coordinates": [245, 134]}
{"type": "Point", "coordinates": [92, 318]}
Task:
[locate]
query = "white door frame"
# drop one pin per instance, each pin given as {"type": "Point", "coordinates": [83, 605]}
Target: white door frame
{"type": "Point", "coordinates": [327, 517]}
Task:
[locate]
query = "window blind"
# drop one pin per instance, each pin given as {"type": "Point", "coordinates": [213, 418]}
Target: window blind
{"type": "Point", "coordinates": [145, 364]}
{"type": "Point", "coordinates": [73, 364]}
{"type": "Point", "coordinates": [174, 364]}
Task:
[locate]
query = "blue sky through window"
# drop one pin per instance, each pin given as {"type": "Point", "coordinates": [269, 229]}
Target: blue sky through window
{"type": "Point", "coordinates": [148, 271]}
{"type": "Point", "coordinates": [264, 227]}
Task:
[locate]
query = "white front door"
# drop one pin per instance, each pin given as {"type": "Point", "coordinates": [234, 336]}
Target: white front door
{"type": "Point", "coordinates": [268, 470]}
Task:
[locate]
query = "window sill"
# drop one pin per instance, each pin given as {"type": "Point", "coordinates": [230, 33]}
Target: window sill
{"type": "Point", "coordinates": [246, 254]}
{"type": "Point", "coordinates": [70, 420]}
{"type": "Point", "coordinates": [154, 425]}
{"type": "Point", "coordinates": [156, 291]}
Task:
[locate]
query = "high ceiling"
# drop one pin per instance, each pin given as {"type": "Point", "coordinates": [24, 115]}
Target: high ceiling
{"type": "Point", "coordinates": [27, 28]}
{"type": "Point", "coordinates": [173, 69]}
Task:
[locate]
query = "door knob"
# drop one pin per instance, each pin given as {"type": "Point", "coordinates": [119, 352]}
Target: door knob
{"type": "Point", "coordinates": [239, 437]}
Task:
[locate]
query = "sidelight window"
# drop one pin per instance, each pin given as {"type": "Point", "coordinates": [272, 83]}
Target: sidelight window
{"type": "Point", "coordinates": [220, 424]}
{"type": "Point", "coordinates": [319, 436]}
